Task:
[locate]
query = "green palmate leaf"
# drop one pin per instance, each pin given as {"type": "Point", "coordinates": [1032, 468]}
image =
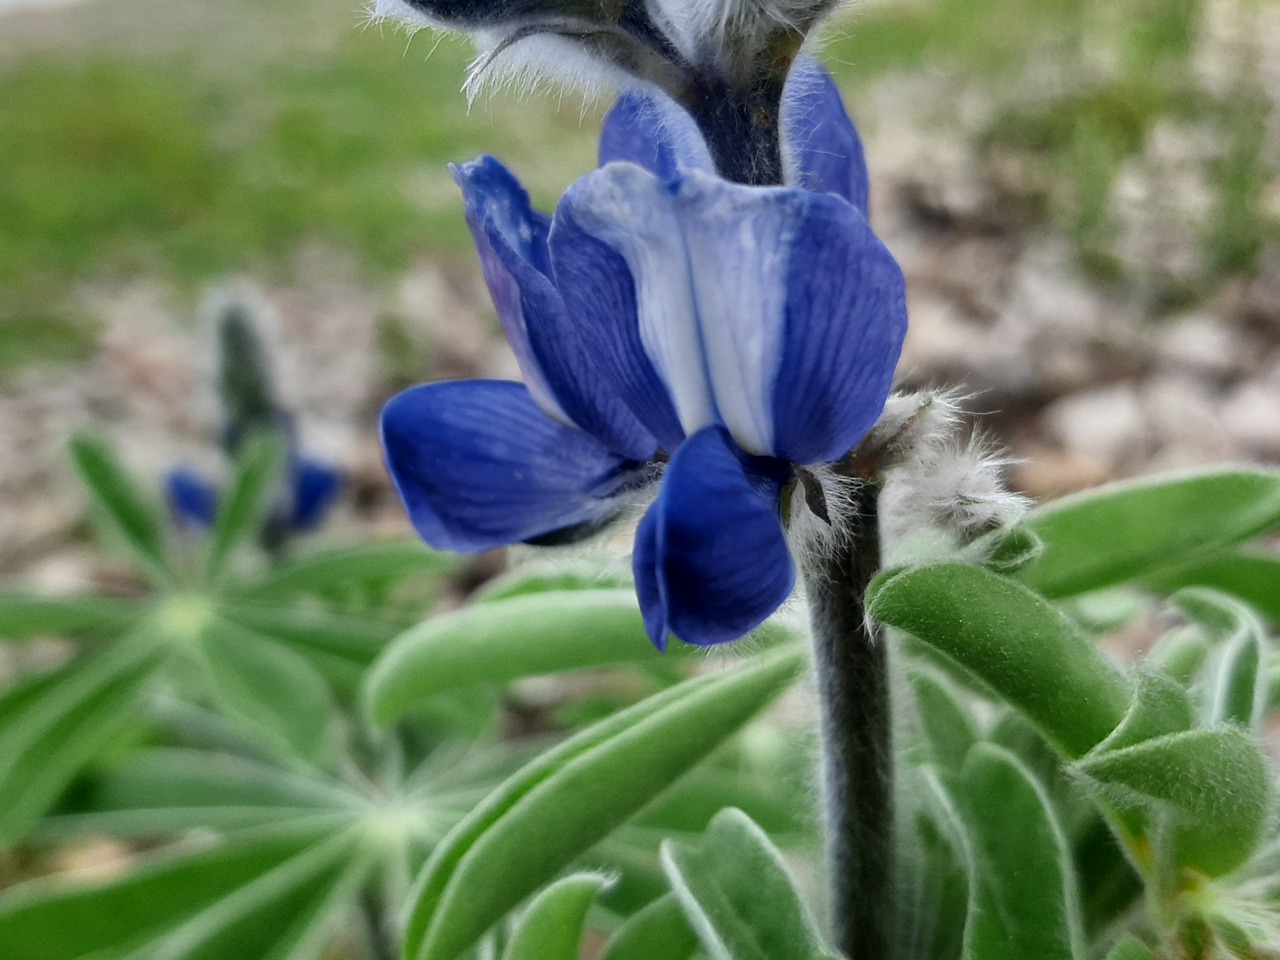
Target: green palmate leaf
{"type": "Point", "coordinates": [251, 496]}
{"type": "Point", "coordinates": [287, 912]}
{"type": "Point", "coordinates": [739, 897]}
{"type": "Point", "coordinates": [344, 567]}
{"type": "Point", "coordinates": [166, 790]}
{"type": "Point", "coordinates": [1213, 785]}
{"type": "Point", "coordinates": [569, 799]}
{"type": "Point", "coordinates": [1238, 684]}
{"type": "Point", "coordinates": [269, 895]}
{"type": "Point", "coordinates": [358, 639]}
{"type": "Point", "coordinates": [1133, 530]}
{"type": "Point", "coordinates": [131, 513]}
{"type": "Point", "coordinates": [28, 615]}
{"type": "Point", "coordinates": [272, 690]}
{"type": "Point", "coordinates": [59, 920]}
{"type": "Point", "coordinates": [947, 725]}
{"type": "Point", "coordinates": [1251, 576]}
{"type": "Point", "coordinates": [1129, 949]}
{"type": "Point", "coordinates": [1024, 901]}
{"type": "Point", "coordinates": [658, 932]}
{"type": "Point", "coordinates": [1014, 641]}
{"type": "Point", "coordinates": [494, 642]}
{"type": "Point", "coordinates": [551, 927]}
{"type": "Point", "coordinates": [52, 726]}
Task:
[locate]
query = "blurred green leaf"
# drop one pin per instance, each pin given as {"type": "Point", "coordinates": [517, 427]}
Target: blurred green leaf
{"type": "Point", "coordinates": [122, 503]}
{"type": "Point", "coordinates": [1179, 654]}
{"type": "Point", "coordinates": [29, 615]}
{"type": "Point", "coordinates": [251, 496]}
{"type": "Point", "coordinates": [52, 726]}
{"type": "Point", "coordinates": [572, 797]}
{"type": "Point", "coordinates": [1140, 529]}
{"type": "Point", "coordinates": [358, 639]}
{"type": "Point", "coordinates": [738, 895]}
{"type": "Point", "coordinates": [946, 723]}
{"type": "Point", "coordinates": [342, 567]}
{"type": "Point", "coordinates": [1238, 685]}
{"type": "Point", "coordinates": [1129, 949]}
{"type": "Point", "coordinates": [56, 919]}
{"type": "Point", "coordinates": [164, 790]}
{"type": "Point", "coordinates": [1251, 576]}
{"type": "Point", "coordinates": [933, 864]}
{"type": "Point", "coordinates": [1160, 706]}
{"type": "Point", "coordinates": [657, 932]}
{"type": "Point", "coordinates": [551, 927]}
{"type": "Point", "coordinates": [1214, 783]}
{"type": "Point", "coordinates": [1012, 639]}
{"type": "Point", "coordinates": [273, 690]}
{"type": "Point", "coordinates": [559, 576]}
{"type": "Point", "coordinates": [1024, 899]}
{"type": "Point", "coordinates": [524, 635]}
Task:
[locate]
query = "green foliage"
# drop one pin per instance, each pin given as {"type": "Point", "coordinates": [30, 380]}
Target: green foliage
{"type": "Point", "coordinates": [1140, 529]}
{"type": "Point", "coordinates": [1023, 898]}
{"type": "Point", "coordinates": [738, 895]}
{"type": "Point", "coordinates": [1013, 640]}
{"type": "Point", "coordinates": [657, 932]}
{"type": "Point", "coordinates": [551, 928]}
{"type": "Point", "coordinates": [573, 796]}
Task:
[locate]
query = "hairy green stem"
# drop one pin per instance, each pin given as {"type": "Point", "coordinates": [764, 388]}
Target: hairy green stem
{"type": "Point", "coordinates": [857, 759]}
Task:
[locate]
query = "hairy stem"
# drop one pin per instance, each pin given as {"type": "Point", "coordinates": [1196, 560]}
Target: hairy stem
{"type": "Point", "coordinates": [853, 685]}
{"type": "Point", "coordinates": [742, 128]}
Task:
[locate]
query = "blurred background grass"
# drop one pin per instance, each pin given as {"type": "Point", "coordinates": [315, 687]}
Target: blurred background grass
{"type": "Point", "coordinates": [191, 139]}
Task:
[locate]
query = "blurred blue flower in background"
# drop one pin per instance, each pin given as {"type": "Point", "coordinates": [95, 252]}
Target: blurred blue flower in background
{"type": "Point", "coordinates": [313, 488]}
{"type": "Point", "coordinates": [665, 315]}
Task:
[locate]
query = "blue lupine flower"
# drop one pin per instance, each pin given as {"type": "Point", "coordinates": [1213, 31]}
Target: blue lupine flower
{"type": "Point", "coordinates": [665, 312]}
{"type": "Point", "coordinates": [312, 491]}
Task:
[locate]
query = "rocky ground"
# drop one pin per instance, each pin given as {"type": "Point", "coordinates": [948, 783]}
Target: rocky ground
{"type": "Point", "coordinates": [1084, 380]}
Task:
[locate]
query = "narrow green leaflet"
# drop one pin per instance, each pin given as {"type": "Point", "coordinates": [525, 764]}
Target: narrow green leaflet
{"type": "Point", "coordinates": [272, 690]}
{"type": "Point", "coordinates": [1023, 890]}
{"type": "Point", "coordinates": [1251, 576]}
{"type": "Point", "coordinates": [657, 932]}
{"type": "Point", "coordinates": [251, 496]}
{"type": "Point", "coordinates": [1180, 654]}
{"type": "Point", "coordinates": [121, 502]}
{"type": "Point", "coordinates": [738, 895]}
{"type": "Point", "coordinates": [570, 798]}
{"type": "Point", "coordinates": [357, 639]}
{"type": "Point", "coordinates": [1013, 640]}
{"type": "Point", "coordinates": [286, 912]}
{"type": "Point", "coordinates": [30, 615]}
{"type": "Point", "coordinates": [552, 925]}
{"type": "Point", "coordinates": [1238, 683]}
{"type": "Point", "coordinates": [1214, 783]}
{"type": "Point", "coordinates": [556, 576]}
{"type": "Point", "coordinates": [52, 726]}
{"type": "Point", "coordinates": [934, 864]}
{"type": "Point", "coordinates": [163, 790]}
{"type": "Point", "coordinates": [343, 567]}
{"type": "Point", "coordinates": [59, 920]}
{"type": "Point", "coordinates": [1160, 706]}
{"type": "Point", "coordinates": [1132, 530]}
{"type": "Point", "coordinates": [947, 725]}
{"type": "Point", "coordinates": [524, 635]}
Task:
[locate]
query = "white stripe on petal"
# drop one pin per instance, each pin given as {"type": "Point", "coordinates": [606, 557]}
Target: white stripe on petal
{"type": "Point", "coordinates": [637, 215]}
{"type": "Point", "coordinates": [739, 241]}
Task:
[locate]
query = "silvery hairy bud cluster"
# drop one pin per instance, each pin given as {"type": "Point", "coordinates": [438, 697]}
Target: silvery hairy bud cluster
{"type": "Point", "coordinates": [725, 61]}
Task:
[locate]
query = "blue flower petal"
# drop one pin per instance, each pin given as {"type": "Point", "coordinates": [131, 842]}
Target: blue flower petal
{"type": "Point", "coordinates": [652, 130]}
{"type": "Point", "coordinates": [825, 147]}
{"type": "Point", "coordinates": [479, 466]}
{"type": "Point", "coordinates": [316, 487]}
{"type": "Point", "coordinates": [600, 295]}
{"type": "Point", "coordinates": [711, 560]}
{"type": "Point", "coordinates": [193, 500]}
{"type": "Point", "coordinates": [559, 369]}
{"type": "Point", "coordinates": [773, 311]}
{"type": "Point", "coordinates": [846, 319]}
